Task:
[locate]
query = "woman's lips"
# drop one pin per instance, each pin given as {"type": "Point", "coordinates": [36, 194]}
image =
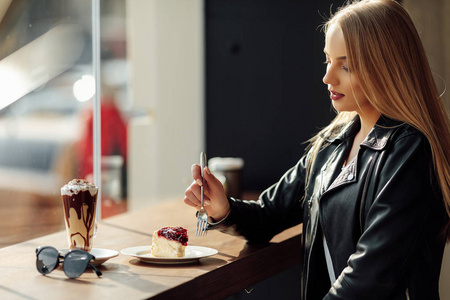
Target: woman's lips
{"type": "Point", "coordinates": [335, 96]}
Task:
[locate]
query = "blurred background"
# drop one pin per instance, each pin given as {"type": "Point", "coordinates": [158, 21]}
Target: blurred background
{"type": "Point", "coordinates": [46, 110]}
{"type": "Point", "coordinates": [234, 78]}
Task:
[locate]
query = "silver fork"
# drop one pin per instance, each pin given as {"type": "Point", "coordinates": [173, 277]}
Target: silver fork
{"type": "Point", "coordinates": [202, 216]}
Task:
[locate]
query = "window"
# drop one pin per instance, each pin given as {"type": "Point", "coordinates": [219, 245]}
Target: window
{"type": "Point", "coordinates": [151, 105]}
{"type": "Point", "coordinates": [46, 110]}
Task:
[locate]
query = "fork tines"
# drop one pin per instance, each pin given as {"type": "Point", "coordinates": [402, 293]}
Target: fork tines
{"type": "Point", "coordinates": [201, 227]}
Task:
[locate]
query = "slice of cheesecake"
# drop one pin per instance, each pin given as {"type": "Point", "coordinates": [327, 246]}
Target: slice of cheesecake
{"type": "Point", "coordinates": [169, 241]}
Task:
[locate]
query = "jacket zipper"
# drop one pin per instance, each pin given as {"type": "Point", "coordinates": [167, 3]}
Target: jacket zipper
{"type": "Point", "coordinates": [309, 261]}
{"type": "Point", "coordinates": [313, 231]}
{"type": "Point", "coordinates": [366, 186]}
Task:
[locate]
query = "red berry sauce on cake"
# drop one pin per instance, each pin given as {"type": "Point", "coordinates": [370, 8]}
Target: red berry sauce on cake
{"type": "Point", "coordinates": [174, 233]}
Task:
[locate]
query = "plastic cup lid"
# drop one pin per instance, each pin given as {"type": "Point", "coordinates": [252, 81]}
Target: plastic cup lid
{"type": "Point", "coordinates": [225, 163]}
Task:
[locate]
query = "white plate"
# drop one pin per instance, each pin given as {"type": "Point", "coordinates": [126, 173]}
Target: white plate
{"type": "Point", "coordinates": [101, 255]}
{"type": "Point", "coordinates": [192, 254]}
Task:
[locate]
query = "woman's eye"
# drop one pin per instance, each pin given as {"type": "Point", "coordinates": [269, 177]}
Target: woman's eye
{"type": "Point", "coordinates": [344, 67]}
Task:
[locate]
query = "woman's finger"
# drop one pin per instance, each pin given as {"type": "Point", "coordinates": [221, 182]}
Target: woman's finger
{"type": "Point", "coordinates": [189, 202]}
{"type": "Point", "coordinates": [193, 193]}
{"type": "Point", "coordinates": [197, 174]}
{"type": "Point", "coordinates": [213, 184]}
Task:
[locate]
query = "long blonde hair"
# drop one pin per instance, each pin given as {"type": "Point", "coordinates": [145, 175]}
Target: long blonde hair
{"type": "Point", "coordinates": [386, 54]}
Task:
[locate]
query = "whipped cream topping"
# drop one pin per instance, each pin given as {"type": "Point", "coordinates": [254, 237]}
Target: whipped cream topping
{"type": "Point", "coordinates": [78, 185]}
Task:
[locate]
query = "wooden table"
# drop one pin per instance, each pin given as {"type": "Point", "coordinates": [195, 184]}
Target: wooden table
{"type": "Point", "coordinates": [236, 266]}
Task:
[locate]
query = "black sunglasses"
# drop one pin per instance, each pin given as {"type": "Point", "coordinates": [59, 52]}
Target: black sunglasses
{"type": "Point", "coordinates": [74, 262]}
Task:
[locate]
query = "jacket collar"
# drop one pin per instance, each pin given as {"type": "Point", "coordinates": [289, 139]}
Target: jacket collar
{"type": "Point", "coordinates": [376, 139]}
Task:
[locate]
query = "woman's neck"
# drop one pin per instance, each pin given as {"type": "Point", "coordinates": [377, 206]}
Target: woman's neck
{"type": "Point", "coordinates": [367, 123]}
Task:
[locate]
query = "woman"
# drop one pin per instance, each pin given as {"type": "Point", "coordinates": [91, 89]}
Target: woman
{"type": "Point", "coordinates": [373, 190]}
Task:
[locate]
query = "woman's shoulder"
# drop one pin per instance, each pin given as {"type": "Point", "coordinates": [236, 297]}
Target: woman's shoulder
{"type": "Point", "coordinates": [387, 131]}
{"type": "Point", "coordinates": [399, 130]}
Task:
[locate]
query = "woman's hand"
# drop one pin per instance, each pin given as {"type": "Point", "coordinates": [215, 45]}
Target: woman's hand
{"type": "Point", "coordinates": [215, 200]}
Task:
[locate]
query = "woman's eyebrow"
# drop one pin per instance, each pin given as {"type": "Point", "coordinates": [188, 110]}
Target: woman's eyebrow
{"type": "Point", "coordinates": [337, 58]}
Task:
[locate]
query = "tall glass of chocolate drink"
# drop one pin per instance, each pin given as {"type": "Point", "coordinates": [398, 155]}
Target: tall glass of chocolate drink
{"type": "Point", "coordinates": [79, 199]}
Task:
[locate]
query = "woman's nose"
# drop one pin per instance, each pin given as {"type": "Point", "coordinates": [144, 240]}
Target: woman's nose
{"type": "Point", "coordinates": [329, 78]}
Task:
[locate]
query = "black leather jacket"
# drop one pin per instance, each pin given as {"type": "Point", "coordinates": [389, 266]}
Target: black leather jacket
{"type": "Point", "coordinates": [382, 216]}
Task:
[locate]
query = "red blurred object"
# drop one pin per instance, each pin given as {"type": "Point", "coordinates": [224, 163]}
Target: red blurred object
{"type": "Point", "coordinates": [113, 136]}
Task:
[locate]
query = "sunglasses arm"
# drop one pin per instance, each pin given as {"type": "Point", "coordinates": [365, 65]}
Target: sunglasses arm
{"type": "Point", "coordinates": [97, 271]}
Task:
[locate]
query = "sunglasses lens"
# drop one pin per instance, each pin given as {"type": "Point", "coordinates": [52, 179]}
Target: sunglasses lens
{"type": "Point", "coordinates": [75, 263]}
{"type": "Point", "coordinates": [47, 260]}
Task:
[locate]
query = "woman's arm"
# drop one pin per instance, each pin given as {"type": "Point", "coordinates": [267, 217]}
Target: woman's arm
{"type": "Point", "coordinates": [278, 208]}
